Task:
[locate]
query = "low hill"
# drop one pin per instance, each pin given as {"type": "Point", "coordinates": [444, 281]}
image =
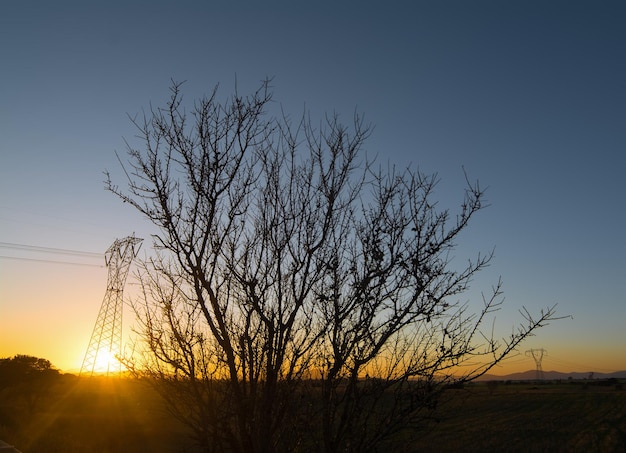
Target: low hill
{"type": "Point", "coordinates": [553, 375]}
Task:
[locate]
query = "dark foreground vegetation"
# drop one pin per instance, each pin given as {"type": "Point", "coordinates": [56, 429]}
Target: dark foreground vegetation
{"type": "Point", "coordinates": [125, 415]}
{"type": "Point", "coordinates": [95, 414]}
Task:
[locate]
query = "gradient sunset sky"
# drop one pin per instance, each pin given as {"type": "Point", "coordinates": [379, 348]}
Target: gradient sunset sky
{"type": "Point", "coordinates": [528, 96]}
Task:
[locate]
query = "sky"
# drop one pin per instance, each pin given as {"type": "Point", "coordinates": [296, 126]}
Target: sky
{"type": "Point", "coordinates": [529, 97]}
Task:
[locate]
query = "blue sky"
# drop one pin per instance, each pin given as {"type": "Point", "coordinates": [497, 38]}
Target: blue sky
{"type": "Point", "coordinates": [528, 96]}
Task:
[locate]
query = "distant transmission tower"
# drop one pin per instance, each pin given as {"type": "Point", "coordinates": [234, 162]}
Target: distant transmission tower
{"type": "Point", "coordinates": [537, 355]}
{"type": "Point", "coordinates": [106, 340]}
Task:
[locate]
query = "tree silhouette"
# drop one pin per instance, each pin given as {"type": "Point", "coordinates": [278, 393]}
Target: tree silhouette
{"type": "Point", "coordinates": [298, 297]}
{"type": "Point", "coordinates": [27, 378]}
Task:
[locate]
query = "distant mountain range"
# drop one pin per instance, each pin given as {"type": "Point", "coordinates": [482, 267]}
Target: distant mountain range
{"type": "Point", "coordinates": [531, 375]}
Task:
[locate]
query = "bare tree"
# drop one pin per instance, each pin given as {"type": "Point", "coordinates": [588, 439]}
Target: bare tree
{"type": "Point", "coordinates": [298, 298]}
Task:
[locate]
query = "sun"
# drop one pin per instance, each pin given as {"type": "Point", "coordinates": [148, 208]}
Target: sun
{"type": "Point", "coordinates": [106, 363]}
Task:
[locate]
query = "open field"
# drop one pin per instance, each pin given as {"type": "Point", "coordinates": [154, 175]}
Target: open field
{"type": "Point", "coordinates": [115, 415]}
{"type": "Point", "coordinates": [567, 417]}
{"type": "Point", "coordinates": [92, 415]}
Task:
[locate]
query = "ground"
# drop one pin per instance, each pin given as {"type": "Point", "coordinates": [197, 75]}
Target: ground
{"type": "Point", "coordinates": [120, 415]}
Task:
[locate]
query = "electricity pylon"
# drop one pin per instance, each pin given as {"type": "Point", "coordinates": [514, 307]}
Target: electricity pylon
{"type": "Point", "coordinates": [105, 344]}
{"type": "Point", "coordinates": [537, 355]}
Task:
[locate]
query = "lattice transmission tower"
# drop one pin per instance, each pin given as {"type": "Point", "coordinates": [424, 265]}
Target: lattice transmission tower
{"type": "Point", "coordinates": [105, 344]}
{"type": "Point", "coordinates": [537, 355]}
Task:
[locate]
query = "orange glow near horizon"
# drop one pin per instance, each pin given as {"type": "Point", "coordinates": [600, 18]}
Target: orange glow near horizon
{"type": "Point", "coordinates": [70, 360]}
{"type": "Point", "coordinates": [52, 334]}
{"type": "Point", "coordinates": [50, 311]}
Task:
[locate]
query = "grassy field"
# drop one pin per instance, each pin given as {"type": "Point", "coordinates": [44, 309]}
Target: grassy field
{"type": "Point", "coordinates": [115, 415]}
{"type": "Point", "coordinates": [92, 415]}
{"type": "Point", "coordinates": [551, 417]}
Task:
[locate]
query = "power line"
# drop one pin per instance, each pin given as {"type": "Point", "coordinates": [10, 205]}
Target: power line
{"type": "Point", "coordinates": [41, 249]}
{"type": "Point", "coordinates": [582, 367]}
{"type": "Point", "coordinates": [50, 261]}
{"type": "Point", "coordinates": [537, 355]}
{"type": "Point", "coordinates": [105, 345]}
{"type": "Point", "coordinates": [49, 250]}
